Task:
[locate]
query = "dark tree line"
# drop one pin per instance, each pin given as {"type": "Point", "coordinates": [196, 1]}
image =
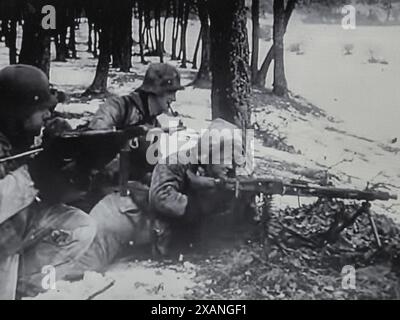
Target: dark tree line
{"type": "Point", "coordinates": [225, 56]}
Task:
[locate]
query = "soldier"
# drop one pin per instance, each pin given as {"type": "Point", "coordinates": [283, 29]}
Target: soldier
{"type": "Point", "coordinates": [33, 234]}
{"type": "Point", "coordinates": [182, 193]}
{"type": "Point", "coordinates": [124, 221]}
{"type": "Point", "coordinates": [141, 107]}
{"type": "Point", "coordinates": [152, 98]}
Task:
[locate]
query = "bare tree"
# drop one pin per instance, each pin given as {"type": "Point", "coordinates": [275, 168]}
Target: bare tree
{"type": "Point", "coordinates": [184, 21]}
{"type": "Point", "coordinates": [203, 77]}
{"type": "Point", "coordinates": [280, 83]}
{"type": "Point", "coordinates": [196, 50]}
{"type": "Point", "coordinates": [122, 36]}
{"type": "Point", "coordinates": [262, 73]}
{"type": "Point", "coordinates": [141, 30]}
{"type": "Point", "coordinates": [105, 20]}
{"type": "Point", "coordinates": [35, 48]}
{"type": "Point", "coordinates": [255, 15]}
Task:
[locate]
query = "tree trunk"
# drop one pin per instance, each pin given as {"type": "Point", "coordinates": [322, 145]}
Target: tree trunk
{"type": "Point", "coordinates": [255, 15]}
{"type": "Point", "coordinates": [180, 27]}
{"type": "Point", "coordinates": [186, 10]}
{"type": "Point", "coordinates": [61, 45]}
{"type": "Point", "coordinates": [146, 36]}
{"type": "Point", "coordinates": [11, 41]}
{"type": "Point", "coordinates": [158, 34]}
{"type": "Point", "coordinates": [127, 42]}
{"type": "Point", "coordinates": [230, 62]}
{"type": "Point", "coordinates": [262, 73]}
{"type": "Point", "coordinates": [141, 34]}
{"type": "Point", "coordinates": [116, 53]}
{"type": "Point", "coordinates": [196, 50]}
{"type": "Point", "coordinates": [175, 29]}
{"type": "Point", "coordinates": [388, 7]}
{"type": "Point", "coordinates": [122, 36]}
{"type": "Point", "coordinates": [35, 48]}
{"type": "Point", "coordinates": [173, 43]}
{"type": "Point", "coordinates": [280, 83]}
{"type": "Point", "coordinates": [90, 41]}
{"type": "Point", "coordinates": [60, 34]}
{"type": "Point", "coordinates": [203, 78]}
{"type": "Point", "coordinates": [96, 41]}
{"type": "Point", "coordinates": [150, 42]}
{"type": "Point", "coordinates": [72, 38]}
{"type": "Point", "coordinates": [99, 85]}
{"type": "Point", "coordinates": [164, 31]}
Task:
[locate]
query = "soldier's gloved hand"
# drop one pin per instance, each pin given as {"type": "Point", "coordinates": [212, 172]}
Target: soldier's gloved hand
{"type": "Point", "coordinates": [200, 183]}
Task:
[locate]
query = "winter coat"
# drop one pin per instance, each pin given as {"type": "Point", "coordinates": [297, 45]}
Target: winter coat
{"type": "Point", "coordinates": [168, 190]}
{"type": "Point", "coordinates": [27, 228]}
{"type": "Point", "coordinates": [120, 112]}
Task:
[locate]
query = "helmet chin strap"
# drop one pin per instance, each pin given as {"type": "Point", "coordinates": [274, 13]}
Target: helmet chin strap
{"type": "Point", "coordinates": [154, 106]}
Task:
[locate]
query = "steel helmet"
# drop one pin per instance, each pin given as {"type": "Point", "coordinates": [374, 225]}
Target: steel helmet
{"type": "Point", "coordinates": [161, 78]}
{"type": "Point", "coordinates": [23, 90]}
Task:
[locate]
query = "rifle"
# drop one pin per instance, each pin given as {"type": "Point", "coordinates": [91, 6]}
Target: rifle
{"type": "Point", "coordinates": [22, 155]}
{"type": "Point", "coordinates": [269, 187]}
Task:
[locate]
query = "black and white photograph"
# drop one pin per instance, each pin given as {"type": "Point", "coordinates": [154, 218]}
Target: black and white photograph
{"type": "Point", "coordinates": [223, 151]}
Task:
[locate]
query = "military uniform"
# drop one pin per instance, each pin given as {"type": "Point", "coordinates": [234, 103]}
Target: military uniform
{"type": "Point", "coordinates": [180, 209]}
{"type": "Point", "coordinates": [120, 112]}
{"type": "Point", "coordinates": [33, 234]}
{"type": "Point", "coordinates": [176, 203]}
{"type": "Point", "coordinates": [133, 109]}
{"type": "Point", "coordinates": [126, 221]}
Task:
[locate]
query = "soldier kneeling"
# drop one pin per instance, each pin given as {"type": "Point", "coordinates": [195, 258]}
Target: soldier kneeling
{"type": "Point", "coordinates": [33, 234]}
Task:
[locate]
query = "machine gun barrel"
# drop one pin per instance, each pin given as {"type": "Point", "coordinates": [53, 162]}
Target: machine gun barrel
{"type": "Point", "coordinates": [339, 193]}
{"type": "Point", "coordinates": [274, 186]}
{"type": "Point", "coordinates": [251, 186]}
{"type": "Point", "coordinates": [131, 131]}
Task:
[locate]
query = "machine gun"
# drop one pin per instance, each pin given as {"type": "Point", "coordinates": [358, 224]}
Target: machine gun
{"type": "Point", "coordinates": [268, 187]}
{"type": "Point", "coordinates": [91, 143]}
{"type": "Point", "coordinates": [85, 153]}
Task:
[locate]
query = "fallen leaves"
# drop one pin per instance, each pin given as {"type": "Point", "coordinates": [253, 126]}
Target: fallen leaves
{"type": "Point", "coordinates": [292, 268]}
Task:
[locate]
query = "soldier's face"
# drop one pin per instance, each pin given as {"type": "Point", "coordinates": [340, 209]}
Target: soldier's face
{"type": "Point", "coordinates": [166, 99]}
{"type": "Point", "coordinates": [34, 123]}
{"type": "Point", "coordinates": [170, 97]}
{"type": "Point", "coordinates": [163, 102]}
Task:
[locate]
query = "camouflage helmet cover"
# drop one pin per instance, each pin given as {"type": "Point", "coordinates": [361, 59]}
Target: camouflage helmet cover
{"type": "Point", "coordinates": [222, 134]}
{"type": "Point", "coordinates": [161, 78]}
{"type": "Point", "coordinates": [24, 89]}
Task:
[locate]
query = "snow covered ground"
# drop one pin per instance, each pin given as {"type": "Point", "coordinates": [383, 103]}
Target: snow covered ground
{"type": "Point", "coordinates": [349, 87]}
{"type": "Point", "coordinates": [128, 281]}
{"type": "Point", "coordinates": [363, 97]}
